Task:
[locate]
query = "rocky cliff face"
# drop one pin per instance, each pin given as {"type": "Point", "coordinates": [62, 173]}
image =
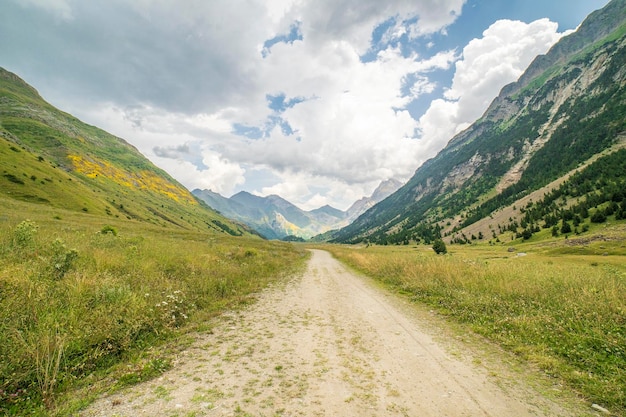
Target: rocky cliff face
{"type": "Point", "coordinates": [597, 26]}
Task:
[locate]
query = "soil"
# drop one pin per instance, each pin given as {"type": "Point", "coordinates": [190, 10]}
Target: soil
{"type": "Point", "coordinates": [332, 343]}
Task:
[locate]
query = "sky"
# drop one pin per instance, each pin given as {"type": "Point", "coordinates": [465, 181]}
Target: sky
{"type": "Point", "coordinates": [316, 101]}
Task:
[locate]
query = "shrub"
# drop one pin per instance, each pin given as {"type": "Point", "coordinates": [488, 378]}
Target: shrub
{"type": "Point", "coordinates": [14, 179]}
{"type": "Point", "coordinates": [439, 247]}
{"type": "Point", "coordinates": [106, 229]}
{"type": "Point", "coordinates": [62, 258]}
{"type": "Point", "coordinates": [24, 234]}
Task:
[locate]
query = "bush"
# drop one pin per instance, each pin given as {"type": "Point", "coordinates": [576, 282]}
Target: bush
{"type": "Point", "coordinates": [108, 229]}
{"type": "Point", "coordinates": [439, 247]}
{"type": "Point", "coordinates": [24, 234]}
{"type": "Point", "coordinates": [62, 258]}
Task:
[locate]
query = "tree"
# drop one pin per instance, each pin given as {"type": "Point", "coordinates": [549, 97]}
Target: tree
{"type": "Point", "coordinates": [439, 247]}
{"type": "Point", "coordinates": [555, 230]}
{"type": "Point", "coordinates": [566, 228]}
{"type": "Point", "coordinates": [598, 217]}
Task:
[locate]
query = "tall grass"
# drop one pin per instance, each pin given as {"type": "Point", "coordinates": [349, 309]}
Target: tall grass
{"type": "Point", "coordinates": [76, 298]}
{"type": "Point", "coordinates": [565, 313]}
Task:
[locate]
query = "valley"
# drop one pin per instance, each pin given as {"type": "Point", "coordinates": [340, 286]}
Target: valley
{"type": "Point", "coordinates": [492, 282]}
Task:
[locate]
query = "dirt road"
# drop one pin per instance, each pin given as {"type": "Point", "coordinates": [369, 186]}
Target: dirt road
{"type": "Point", "coordinates": [329, 343]}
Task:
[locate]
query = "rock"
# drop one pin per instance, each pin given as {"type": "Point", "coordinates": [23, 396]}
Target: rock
{"type": "Point", "coordinates": [600, 409]}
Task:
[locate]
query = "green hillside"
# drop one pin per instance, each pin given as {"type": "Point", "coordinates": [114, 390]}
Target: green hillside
{"type": "Point", "coordinates": [49, 157]}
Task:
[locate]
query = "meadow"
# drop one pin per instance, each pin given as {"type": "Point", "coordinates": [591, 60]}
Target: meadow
{"type": "Point", "coordinates": [559, 305]}
{"type": "Point", "coordinates": [83, 298]}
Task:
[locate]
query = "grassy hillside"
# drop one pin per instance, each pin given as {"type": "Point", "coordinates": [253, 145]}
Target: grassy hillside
{"type": "Point", "coordinates": [51, 158]}
{"type": "Point", "coordinates": [556, 303]}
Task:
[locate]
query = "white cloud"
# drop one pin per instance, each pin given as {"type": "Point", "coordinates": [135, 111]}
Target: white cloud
{"type": "Point", "coordinates": [220, 174]}
{"type": "Point", "coordinates": [310, 192]}
{"type": "Point", "coordinates": [352, 21]}
{"type": "Point", "coordinates": [498, 58]}
{"type": "Point", "coordinates": [354, 128]}
{"type": "Point", "coordinates": [177, 79]}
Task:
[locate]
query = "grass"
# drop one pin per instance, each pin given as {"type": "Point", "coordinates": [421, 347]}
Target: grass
{"type": "Point", "coordinates": [82, 296]}
{"type": "Point", "coordinates": [564, 312]}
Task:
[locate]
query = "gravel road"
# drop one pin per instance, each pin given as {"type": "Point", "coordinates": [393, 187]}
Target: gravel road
{"type": "Point", "coordinates": [329, 343]}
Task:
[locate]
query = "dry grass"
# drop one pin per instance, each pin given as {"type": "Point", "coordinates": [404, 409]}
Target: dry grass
{"type": "Point", "coordinates": [566, 313]}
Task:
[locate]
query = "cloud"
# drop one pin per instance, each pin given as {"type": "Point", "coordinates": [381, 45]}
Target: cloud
{"type": "Point", "coordinates": [310, 192]}
{"type": "Point", "coordinates": [176, 152]}
{"type": "Point", "coordinates": [192, 58]}
{"type": "Point", "coordinates": [218, 174]}
{"type": "Point", "coordinates": [354, 127]}
{"type": "Point", "coordinates": [352, 21]}
{"type": "Point", "coordinates": [195, 57]}
{"type": "Point", "coordinates": [307, 99]}
{"type": "Point", "coordinates": [487, 64]}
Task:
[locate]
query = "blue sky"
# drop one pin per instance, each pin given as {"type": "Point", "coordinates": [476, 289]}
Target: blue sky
{"type": "Point", "coordinates": [317, 101]}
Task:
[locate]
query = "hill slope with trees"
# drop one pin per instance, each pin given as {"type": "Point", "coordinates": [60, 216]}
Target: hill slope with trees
{"type": "Point", "coordinates": [565, 110]}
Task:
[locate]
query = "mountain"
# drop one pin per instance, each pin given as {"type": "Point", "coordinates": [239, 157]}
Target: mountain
{"type": "Point", "coordinates": [528, 156]}
{"type": "Point", "coordinates": [384, 190]}
{"type": "Point", "coordinates": [51, 158]}
{"type": "Point", "coordinates": [327, 214]}
{"type": "Point", "coordinates": [271, 216]}
{"type": "Point", "coordinates": [276, 218]}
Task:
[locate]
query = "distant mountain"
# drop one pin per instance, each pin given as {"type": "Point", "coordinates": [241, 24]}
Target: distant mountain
{"type": "Point", "coordinates": [563, 120]}
{"type": "Point", "coordinates": [277, 218]}
{"type": "Point", "coordinates": [49, 157]}
{"type": "Point", "coordinates": [327, 214]}
{"type": "Point", "coordinates": [384, 190]}
{"type": "Point", "coordinates": [272, 216]}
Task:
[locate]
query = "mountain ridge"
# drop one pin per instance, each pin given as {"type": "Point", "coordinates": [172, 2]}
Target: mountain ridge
{"type": "Point", "coordinates": [276, 218]}
{"type": "Point", "coordinates": [537, 129]}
